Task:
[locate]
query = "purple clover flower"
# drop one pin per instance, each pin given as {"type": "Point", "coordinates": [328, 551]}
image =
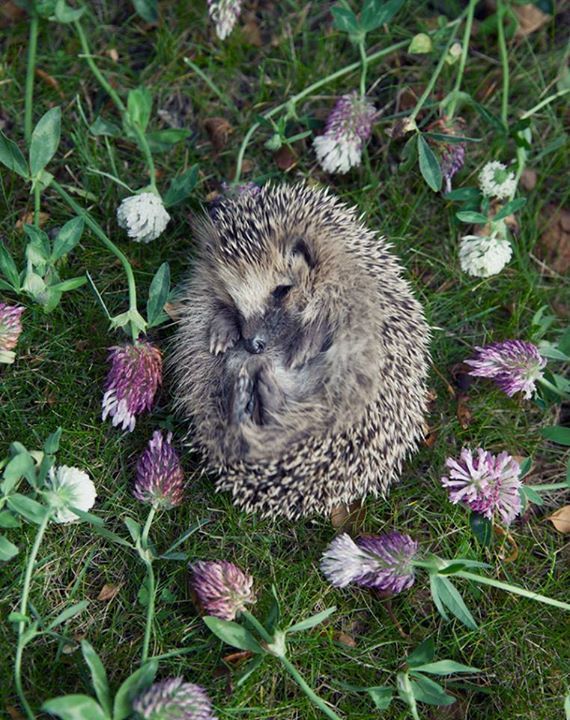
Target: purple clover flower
{"type": "Point", "coordinates": [173, 699]}
{"type": "Point", "coordinates": [514, 365]}
{"type": "Point", "coordinates": [132, 382]}
{"type": "Point", "coordinates": [160, 478]}
{"type": "Point", "coordinates": [383, 562]}
{"type": "Point", "coordinates": [347, 130]}
{"type": "Point", "coordinates": [222, 589]}
{"type": "Point", "coordinates": [452, 154]}
{"type": "Point", "coordinates": [487, 484]}
{"type": "Point", "coordinates": [10, 329]}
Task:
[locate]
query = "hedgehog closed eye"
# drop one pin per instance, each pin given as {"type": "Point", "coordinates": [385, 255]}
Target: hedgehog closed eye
{"type": "Point", "coordinates": [281, 291]}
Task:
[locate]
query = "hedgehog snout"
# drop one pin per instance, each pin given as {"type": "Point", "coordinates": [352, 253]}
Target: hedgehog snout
{"type": "Point", "coordinates": [256, 344]}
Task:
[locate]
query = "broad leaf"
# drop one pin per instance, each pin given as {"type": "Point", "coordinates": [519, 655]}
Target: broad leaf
{"type": "Point", "coordinates": [45, 140]}
{"type": "Point", "coordinates": [104, 127]}
{"type": "Point", "coordinates": [429, 165]}
{"type": "Point", "coordinates": [467, 216]}
{"type": "Point", "coordinates": [450, 597]}
{"type": "Point", "coordinates": [163, 140]}
{"type": "Point", "coordinates": [139, 680]}
{"type": "Point", "coordinates": [9, 521]}
{"type": "Point", "coordinates": [181, 187]}
{"type": "Point", "coordinates": [423, 653]}
{"type": "Point", "coordinates": [382, 696]}
{"type": "Point", "coordinates": [445, 667]}
{"type": "Point", "coordinates": [26, 507]}
{"type": "Point", "coordinates": [8, 267]}
{"type": "Point", "coordinates": [147, 10]}
{"type": "Point", "coordinates": [557, 434]}
{"type": "Point", "coordinates": [312, 621]}
{"type": "Point", "coordinates": [21, 465]}
{"type": "Point", "coordinates": [378, 12]}
{"type": "Point", "coordinates": [51, 445]}
{"type": "Point", "coordinates": [510, 208]}
{"type": "Point", "coordinates": [462, 194]}
{"type": "Point", "coordinates": [482, 528]}
{"type": "Point", "coordinates": [11, 156]}
{"type": "Point", "coordinates": [68, 613]}
{"type": "Point", "coordinates": [98, 676]}
{"type": "Point", "coordinates": [232, 634]}
{"type": "Point", "coordinates": [7, 549]}
{"type": "Point", "coordinates": [344, 19]}
{"type": "Point", "coordinates": [134, 528]}
{"type": "Point", "coordinates": [429, 692]}
{"type": "Point", "coordinates": [67, 238]}
{"type": "Point", "coordinates": [67, 285]}
{"type": "Point", "coordinates": [139, 107]}
{"type": "Point", "coordinates": [158, 295]}
{"type": "Point", "coordinates": [75, 707]}
{"type": "Point", "coordinates": [529, 494]}
{"type": "Point", "coordinates": [65, 14]}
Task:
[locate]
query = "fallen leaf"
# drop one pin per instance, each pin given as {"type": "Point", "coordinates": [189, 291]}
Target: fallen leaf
{"type": "Point", "coordinates": [348, 518]}
{"type": "Point", "coordinates": [236, 658]}
{"type": "Point", "coordinates": [530, 19]}
{"type": "Point", "coordinates": [10, 13]}
{"type": "Point", "coordinates": [113, 54]}
{"type": "Point", "coordinates": [108, 592]}
{"type": "Point", "coordinates": [285, 158]}
{"type": "Point", "coordinates": [14, 713]}
{"type": "Point", "coordinates": [430, 437]}
{"type": "Point", "coordinates": [51, 81]}
{"type": "Point", "coordinates": [250, 31]}
{"type": "Point", "coordinates": [218, 129]}
{"type": "Point", "coordinates": [513, 555]}
{"type": "Point", "coordinates": [464, 414]}
{"type": "Point", "coordinates": [561, 519]}
{"type": "Point", "coordinates": [28, 219]}
{"type": "Point", "coordinates": [528, 179]}
{"type": "Point", "coordinates": [553, 246]}
{"type": "Point", "coordinates": [344, 639]}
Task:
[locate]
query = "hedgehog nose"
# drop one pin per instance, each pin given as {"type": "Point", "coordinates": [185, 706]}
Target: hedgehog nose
{"type": "Point", "coordinates": [255, 345]}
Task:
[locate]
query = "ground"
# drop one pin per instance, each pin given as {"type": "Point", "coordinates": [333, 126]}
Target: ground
{"type": "Point", "coordinates": [277, 50]}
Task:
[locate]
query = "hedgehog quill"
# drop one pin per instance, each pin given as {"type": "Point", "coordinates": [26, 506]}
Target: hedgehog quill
{"type": "Point", "coordinates": [301, 355]}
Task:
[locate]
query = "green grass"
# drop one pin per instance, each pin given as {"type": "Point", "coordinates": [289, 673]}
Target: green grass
{"type": "Point", "coordinates": [521, 647]}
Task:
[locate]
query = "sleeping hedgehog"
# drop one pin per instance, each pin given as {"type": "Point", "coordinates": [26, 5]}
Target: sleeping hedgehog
{"type": "Point", "coordinates": [300, 357]}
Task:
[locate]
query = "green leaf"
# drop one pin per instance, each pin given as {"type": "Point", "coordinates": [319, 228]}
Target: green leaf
{"type": "Point", "coordinates": [17, 617]}
{"type": "Point", "coordinates": [139, 680]}
{"type": "Point", "coordinates": [429, 165]}
{"type": "Point", "coordinates": [139, 107]}
{"type": "Point", "coordinates": [68, 613]}
{"type": "Point", "coordinates": [232, 634]}
{"type": "Point", "coordinates": [134, 528]}
{"type": "Point", "coordinates": [65, 14]}
{"type": "Point", "coordinates": [67, 285]}
{"type": "Point", "coordinates": [67, 238]}
{"type": "Point", "coordinates": [9, 521]}
{"type": "Point", "coordinates": [104, 127]}
{"type": "Point", "coordinates": [312, 621]}
{"type": "Point", "coordinates": [7, 549]}
{"type": "Point", "coordinates": [409, 154]}
{"type": "Point", "coordinates": [489, 118]}
{"type": "Point", "coordinates": [75, 707]}
{"type": "Point", "coordinates": [557, 434]}
{"type": "Point", "coordinates": [45, 140]}
{"type": "Point", "coordinates": [147, 10]}
{"type": "Point", "coordinates": [510, 208]}
{"type": "Point", "coordinates": [344, 19]}
{"type": "Point", "coordinates": [11, 156]}
{"type": "Point", "coordinates": [181, 187]}
{"type": "Point", "coordinates": [429, 692]}
{"type": "Point", "coordinates": [462, 194]}
{"type": "Point", "coordinates": [422, 654]}
{"type": "Point", "coordinates": [111, 536]}
{"type": "Point", "coordinates": [87, 516]}
{"type": "Point", "coordinates": [378, 12]}
{"type": "Point", "coordinates": [274, 614]}
{"type": "Point", "coordinates": [98, 677]}
{"type": "Point", "coordinates": [51, 445]}
{"type": "Point", "coordinates": [450, 597]}
{"type": "Point", "coordinates": [382, 696]}
{"type": "Point", "coordinates": [445, 667]}
{"type": "Point", "coordinates": [8, 267]}
{"type": "Point", "coordinates": [467, 216]}
{"type": "Point", "coordinates": [21, 465]}
{"type": "Point", "coordinates": [250, 668]}
{"type": "Point", "coordinates": [482, 528]}
{"type": "Point", "coordinates": [528, 494]}
{"type": "Point", "coordinates": [158, 295]}
{"type": "Point", "coordinates": [163, 140]}
{"type": "Point", "coordinates": [26, 507]}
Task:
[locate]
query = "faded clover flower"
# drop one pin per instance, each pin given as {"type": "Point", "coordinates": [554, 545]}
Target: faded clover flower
{"type": "Point", "coordinates": [10, 329]}
{"type": "Point", "coordinates": [514, 365]}
{"type": "Point", "coordinates": [383, 562]}
{"type": "Point", "coordinates": [69, 487]}
{"type": "Point", "coordinates": [452, 154]}
{"type": "Point", "coordinates": [160, 479]}
{"type": "Point", "coordinates": [496, 181]}
{"type": "Point", "coordinates": [347, 129]}
{"type": "Point", "coordinates": [225, 14]}
{"type": "Point", "coordinates": [483, 256]}
{"type": "Point", "coordinates": [173, 699]}
{"type": "Point", "coordinates": [487, 484]}
{"type": "Point", "coordinates": [132, 382]}
{"type": "Point", "coordinates": [143, 216]}
{"type": "Point", "coordinates": [222, 589]}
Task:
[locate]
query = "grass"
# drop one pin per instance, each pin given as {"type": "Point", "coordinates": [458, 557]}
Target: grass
{"type": "Point", "coordinates": [521, 647]}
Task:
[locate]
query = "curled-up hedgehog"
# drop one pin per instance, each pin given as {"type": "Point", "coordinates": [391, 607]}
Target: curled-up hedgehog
{"type": "Point", "coordinates": [300, 357]}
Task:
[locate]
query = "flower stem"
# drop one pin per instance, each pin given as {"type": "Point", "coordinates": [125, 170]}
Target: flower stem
{"type": "Point", "coordinates": [151, 586]}
{"type": "Point", "coordinates": [144, 146]}
{"type": "Point", "coordinates": [24, 609]}
{"type": "Point", "coordinates": [544, 102]}
{"type": "Point", "coordinates": [548, 487]}
{"type": "Point", "coordinates": [30, 72]}
{"type": "Point", "coordinates": [512, 589]}
{"type": "Point", "coordinates": [37, 203]}
{"type": "Point", "coordinates": [501, 11]}
{"type": "Point", "coordinates": [98, 231]}
{"type": "Point", "coordinates": [146, 529]}
{"type": "Point", "coordinates": [463, 59]}
{"type": "Point", "coordinates": [364, 61]}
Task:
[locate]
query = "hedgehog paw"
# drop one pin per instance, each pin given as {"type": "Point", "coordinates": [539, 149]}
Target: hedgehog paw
{"type": "Point", "coordinates": [271, 396]}
{"type": "Point", "coordinates": [223, 335]}
{"type": "Point", "coordinates": [243, 401]}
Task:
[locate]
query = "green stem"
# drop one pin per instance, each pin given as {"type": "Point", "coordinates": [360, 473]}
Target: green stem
{"type": "Point", "coordinates": [309, 692]}
{"type": "Point", "coordinates": [95, 70]}
{"type": "Point", "coordinates": [504, 60]}
{"type": "Point", "coordinates": [98, 231]}
{"type": "Point", "coordinates": [512, 589]}
{"type": "Point", "coordinates": [151, 585]}
{"type": "Point", "coordinates": [24, 609]}
{"type": "Point", "coordinates": [463, 59]}
{"type": "Point", "coordinates": [439, 67]}
{"type": "Point", "coordinates": [364, 61]}
{"type": "Point", "coordinates": [37, 203]}
{"type": "Point", "coordinates": [146, 529]}
{"type": "Point", "coordinates": [548, 487]}
{"type": "Point", "coordinates": [144, 146]}
{"type": "Point", "coordinates": [544, 102]}
{"type": "Point", "coordinates": [546, 383]}
{"type": "Point", "coordinates": [30, 73]}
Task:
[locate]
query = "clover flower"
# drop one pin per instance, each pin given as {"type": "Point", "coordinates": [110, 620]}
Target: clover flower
{"type": "Point", "coordinates": [225, 14]}
{"type": "Point", "coordinates": [483, 256]}
{"type": "Point", "coordinates": [496, 181]}
{"type": "Point", "coordinates": [347, 129]}
{"type": "Point", "coordinates": [10, 329]}
{"type": "Point", "coordinates": [514, 365]}
{"type": "Point", "coordinates": [67, 488]}
{"type": "Point", "coordinates": [160, 479]}
{"type": "Point", "coordinates": [222, 589]}
{"type": "Point", "coordinates": [143, 216]}
{"type": "Point", "coordinates": [383, 562]}
{"type": "Point", "coordinates": [173, 699]}
{"type": "Point", "coordinates": [132, 382]}
{"type": "Point", "coordinates": [452, 153]}
{"type": "Point", "coordinates": [487, 484]}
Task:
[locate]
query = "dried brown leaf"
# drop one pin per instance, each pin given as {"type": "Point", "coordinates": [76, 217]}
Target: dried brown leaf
{"type": "Point", "coordinates": [250, 31]}
{"type": "Point", "coordinates": [14, 713]}
{"type": "Point", "coordinates": [530, 19]}
{"type": "Point", "coordinates": [219, 130]}
{"type": "Point", "coordinates": [553, 246]}
{"type": "Point", "coordinates": [464, 414]}
{"type": "Point", "coordinates": [28, 219]}
{"type": "Point", "coordinates": [513, 555]}
{"type": "Point", "coordinates": [561, 519]}
{"type": "Point", "coordinates": [348, 518]}
{"type": "Point", "coordinates": [345, 639]}
{"type": "Point", "coordinates": [236, 658]}
{"type": "Point", "coordinates": [285, 158]}
{"type": "Point", "coordinates": [10, 13]}
{"type": "Point", "coordinates": [528, 179]}
{"type": "Point", "coordinates": [108, 592]}
{"type": "Point", "coordinates": [51, 81]}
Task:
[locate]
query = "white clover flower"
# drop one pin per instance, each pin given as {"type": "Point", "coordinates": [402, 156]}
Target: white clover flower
{"type": "Point", "coordinates": [496, 181]}
{"type": "Point", "coordinates": [347, 129]}
{"type": "Point", "coordinates": [483, 256]}
{"type": "Point", "coordinates": [143, 216]}
{"type": "Point", "coordinates": [225, 14]}
{"type": "Point", "coordinates": [69, 487]}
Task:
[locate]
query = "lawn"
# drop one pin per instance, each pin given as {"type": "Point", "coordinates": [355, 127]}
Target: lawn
{"type": "Point", "coordinates": [275, 51]}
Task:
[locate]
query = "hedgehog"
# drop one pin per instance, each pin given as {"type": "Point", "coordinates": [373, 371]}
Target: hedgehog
{"type": "Point", "coordinates": [300, 355]}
